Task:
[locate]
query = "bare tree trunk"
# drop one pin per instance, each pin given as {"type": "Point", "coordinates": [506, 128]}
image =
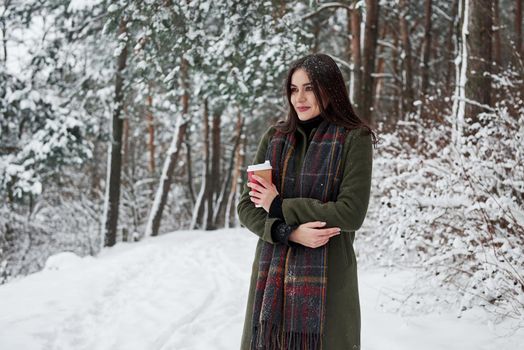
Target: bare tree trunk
{"type": "Point", "coordinates": [151, 133]}
{"type": "Point", "coordinates": [379, 82]}
{"type": "Point", "coordinates": [115, 161]}
{"type": "Point", "coordinates": [518, 27]}
{"type": "Point", "coordinates": [496, 45]}
{"type": "Point", "coordinates": [461, 67]}
{"type": "Point", "coordinates": [155, 215]}
{"type": "Point", "coordinates": [407, 93]}
{"type": "Point", "coordinates": [396, 71]}
{"type": "Point", "coordinates": [125, 141]}
{"type": "Point", "coordinates": [128, 168]}
{"type": "Point", "coordinates": [236, 185]}
{"type": "Point", "coordinates": [94, 173]}
{"type": "Point", "coordinates": [215, 179]}
{"type": "Point", "coordinates": [518, 38]}
{"type": "Point", "coordinates": [170, 163]}
{"type": "Point", "coordinates": [3, 19]}
{"type": "Point", "coordinates": [370, 46]}
{"type": "Point", "coordinates": [189, 172]}
{"type": "Point", "coordinates": [201, 210]}
{"type": "Point", "coordinates": [451, 50]}
{"type": "Point", "coordinates": [222, 198]}
{"type": "Point", "coordinates": [427, 49]}
{"type": "Point", "coordinates": [354, 24]}
{"type": "Point", "coordinates": [478, 85]}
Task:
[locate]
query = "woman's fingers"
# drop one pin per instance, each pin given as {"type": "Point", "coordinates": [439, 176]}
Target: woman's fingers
{"type": "Point", "coordinates": [254, 194]}
{"type": "Point", "coordinates": [330, 232]}
{"type": "Point", "coordinates": [262, 181]}
{"type": "Point", "coordinates": [313, 224]}
{"type": "Point", "coordinates": [255, 186]}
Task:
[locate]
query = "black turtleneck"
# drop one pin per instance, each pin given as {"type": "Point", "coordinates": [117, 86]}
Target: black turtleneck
{"type": "Point", "coordinates": [308, 125]}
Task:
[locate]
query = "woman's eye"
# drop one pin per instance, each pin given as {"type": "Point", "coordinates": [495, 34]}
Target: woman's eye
{"type": "Point", "coordinates": [308, 88]}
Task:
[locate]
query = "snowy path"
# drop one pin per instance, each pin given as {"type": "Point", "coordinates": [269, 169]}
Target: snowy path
{"type": "Point", "coordinates": [188, 290]}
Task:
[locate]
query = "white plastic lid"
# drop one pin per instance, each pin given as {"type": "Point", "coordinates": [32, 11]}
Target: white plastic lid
{"type": "Point", "coordinates": [262, 166]}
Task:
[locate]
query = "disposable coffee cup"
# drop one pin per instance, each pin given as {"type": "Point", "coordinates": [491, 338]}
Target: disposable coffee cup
{"type": "Point", "coordinates": [263, 170]}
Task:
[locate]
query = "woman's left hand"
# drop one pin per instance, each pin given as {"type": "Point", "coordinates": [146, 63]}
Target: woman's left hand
{"type": "Point", "coordinates": [264, 194]}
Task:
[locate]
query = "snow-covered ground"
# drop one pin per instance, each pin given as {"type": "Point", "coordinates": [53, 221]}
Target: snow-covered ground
{"type": "Point", "coordinates": [188, 290]}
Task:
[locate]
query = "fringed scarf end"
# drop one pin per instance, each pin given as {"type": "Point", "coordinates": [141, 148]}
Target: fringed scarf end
{"type": "Point", "coordinates": [268, 337]}
{"type": "Point", "coordinates": [300, 341]}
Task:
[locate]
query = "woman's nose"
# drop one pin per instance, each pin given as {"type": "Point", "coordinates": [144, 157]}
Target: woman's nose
{"type": "Point", "coordinates": [301, 96]}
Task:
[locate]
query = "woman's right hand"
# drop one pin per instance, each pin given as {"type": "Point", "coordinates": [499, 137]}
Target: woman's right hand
{"type": "Point", "coordinates": [312, 235]}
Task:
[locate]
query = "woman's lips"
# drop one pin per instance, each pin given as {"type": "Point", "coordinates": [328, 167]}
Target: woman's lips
{"type": "Point", "coordinates": [302, 109]}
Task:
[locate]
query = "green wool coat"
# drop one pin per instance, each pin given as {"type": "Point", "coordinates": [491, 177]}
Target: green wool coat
{"type": "Point", "coordinates": [342, 329]}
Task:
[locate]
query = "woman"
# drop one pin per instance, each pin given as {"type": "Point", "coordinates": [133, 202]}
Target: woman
{"type": "Point", "coordinates": [303, 292]}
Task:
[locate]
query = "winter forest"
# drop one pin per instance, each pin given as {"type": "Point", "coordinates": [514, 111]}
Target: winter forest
{"type": "Point", "coordinates": [124, 121]}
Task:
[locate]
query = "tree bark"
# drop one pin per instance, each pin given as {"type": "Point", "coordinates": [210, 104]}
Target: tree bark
{"type": "Point", "coordinates": [189, 172]}
{"type": "Point", "coordinates": [155, 216]}
{"type": "Point", "coordinates": [236, 185]}
{"type": "Point", "coordinates": [3, 19]}
{"type": "Point", "coordinates": [427, 48]}
{"type": "Point", "coordinates": [125, 142]}
{"type": "Point", "coordinates": [395, 63]}
{"type": "Point", "coordinates": [215, 180]}
{"type": "Point", "coordinates": [407, 67]}
{"type": "Point", "coordinates": [451, 49]}
{"type": "Point", "coordinates": [370, 46]}
{"type": "Point", "coordinates": [201, 211]}
{"type": "Point", "coordinates": [478, 85]}
{"type": "Point", "coordinates": [379, 82]}
{"type": "Point", "coordinates": [95, 176]}
{"type": "Point", "coordinates": [115, 161]}
{"type": "Point", "coordinates": [151, 133]}
{"type": "Point", "coordinates": [354, 24]}
{"type": "Point", "coordinates": [222, 200]}
{"type": "Point", "coordinates": [461, 67]}
{"type": "Point", "coordinates": [496, 45]}
{"type": "Point", "coordinates": [518, 27]}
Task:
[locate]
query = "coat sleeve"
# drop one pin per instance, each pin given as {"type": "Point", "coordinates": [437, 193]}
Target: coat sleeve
{"type": "Point", "coordinates": [257, 220]}
{"type": "Point", "coordinates": [350, 208]}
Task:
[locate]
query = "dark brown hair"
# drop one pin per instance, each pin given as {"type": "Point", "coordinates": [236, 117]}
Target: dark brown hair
{"type": "Point", "coordinates": [327, 80]}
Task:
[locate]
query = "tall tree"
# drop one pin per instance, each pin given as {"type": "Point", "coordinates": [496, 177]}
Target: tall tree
{"type": "Point", "coordinates": [478, 85]}
{"type": "Point", "coordinates": [115, 156]}
{"type": "Point", "coordinates": [370, 47]}
{"type": "Point", "coordinates": [378, 82]}
{"type": "Point", "coordinates": [236, 184]}
{"type": "Point", "coordinates": [427, 48]}
{"type": "Point", "coordinates": [461, 67]}
{"type": "Point", "coordinates": [518, 27]}
{"type": "Point", "coordinates": [172, 156]}
{"type": "Point", "coordinates": [216, 178]}
{"type": "Point", "coordinates": [407, 66]}
{"type": "Point", "coordinates": [3, 25]}
{"type": "Point", "coordinates": [454, 21]}
{"type": "Point", "coordinates": [354, 29]}
{"type": "Point", "coordinates": [150, 130]}
{"type": "Point", "coordinates": [201, 211]}
{"type": "Point", "coordinates": [231, 175]}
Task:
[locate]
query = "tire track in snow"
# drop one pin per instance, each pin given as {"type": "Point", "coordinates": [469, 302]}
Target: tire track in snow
{"type": "Point", "coordinates": [133, 294]}
{"type": "Point", "coordinates": [170, 296]}
{"type": "Point", "coordinates": [216, 313]}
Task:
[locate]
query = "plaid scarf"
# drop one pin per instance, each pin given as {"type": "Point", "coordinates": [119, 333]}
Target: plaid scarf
{"type": "Point", "coordinates": [290, 295]}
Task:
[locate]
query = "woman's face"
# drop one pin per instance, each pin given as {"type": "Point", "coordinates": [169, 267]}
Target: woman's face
{"type": "Point", "coordinates": [302, 96]}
